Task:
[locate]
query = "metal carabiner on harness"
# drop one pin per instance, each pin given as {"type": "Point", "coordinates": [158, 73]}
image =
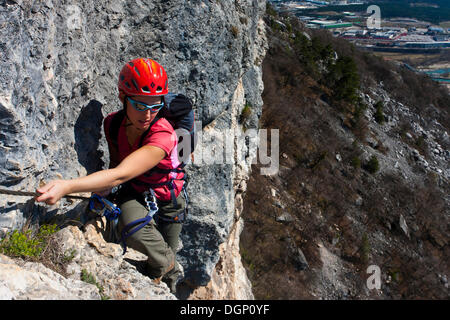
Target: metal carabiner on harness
{"type": "Point", "coordinates": [152, 206]}
{"type": "Point", "coordinates": [133, 227]}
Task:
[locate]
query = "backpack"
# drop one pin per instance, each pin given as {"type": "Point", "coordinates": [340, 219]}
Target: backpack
{"type": "Point", "coordinates": [178, 111]}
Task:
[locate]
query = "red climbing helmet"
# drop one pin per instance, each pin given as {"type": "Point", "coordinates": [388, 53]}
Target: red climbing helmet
{"type": "Point", "coordinates": [142, 77]}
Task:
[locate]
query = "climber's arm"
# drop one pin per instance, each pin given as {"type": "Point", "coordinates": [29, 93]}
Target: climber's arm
{"type": "Point", "coordinates": [132, 166]}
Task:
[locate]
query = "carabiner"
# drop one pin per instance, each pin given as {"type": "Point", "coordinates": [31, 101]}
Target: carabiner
{"type": "Point", "coordinates": [152, 206]}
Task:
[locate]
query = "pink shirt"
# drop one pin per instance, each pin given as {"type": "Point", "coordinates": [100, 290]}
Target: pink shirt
{"type": "Point", "coordinates": [161, 135]}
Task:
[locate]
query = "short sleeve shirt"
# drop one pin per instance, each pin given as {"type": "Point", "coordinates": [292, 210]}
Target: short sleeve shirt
{"type": "Point", "coordinates": [161, 135]}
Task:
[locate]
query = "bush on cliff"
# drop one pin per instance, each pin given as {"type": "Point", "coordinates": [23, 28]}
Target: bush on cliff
{"type": "Point", "coordinates": [27, 243]}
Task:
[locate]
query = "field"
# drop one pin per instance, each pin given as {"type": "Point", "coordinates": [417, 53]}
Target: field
{"type": "Point", "coordinates": [414, 59]}
{"type": "Point", "coordinates": [426, 62]}
{"type": "Point", "coordinates": [393, 9]}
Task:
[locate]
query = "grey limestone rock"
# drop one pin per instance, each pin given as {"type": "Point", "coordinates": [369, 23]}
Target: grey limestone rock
{"type": "Point", "coordinates": [59, 65]}
{"type": "Point", "coordinates": [116, 276]}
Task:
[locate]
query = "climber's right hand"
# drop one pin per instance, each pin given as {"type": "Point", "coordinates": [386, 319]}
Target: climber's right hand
{"type": "Point", "coordinates": [52, 192]}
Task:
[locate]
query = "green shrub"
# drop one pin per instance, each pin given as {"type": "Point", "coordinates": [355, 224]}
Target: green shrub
{"type": "Point", "coordinates": [246, 113]}
{"type": "Point", "coordinates": [343, 78]}
{"type": "Point", "coordinates": [20, 244]}
{"type": "Point", "coordinates": [289, 27]}
{"type": "Point", "coordinates": [379, 116]}
{"type": "Point", "coordinates": [356, 162]}
{"type": "Point", "coordinates": [88, 277]}
{"type": "Point", "coordinates": [69, 255]}
{"type": "Point", "coordinates": [420, 142]}
{"type": "Point", "coordinates": [25, 243]}
{"type": "Point", "coordinates": [395, 275]}
{"type": "Point", "coordinates": [373, 165]}
{"type": "Point", "coordinates": [274, 25]}
{"type": "Point", "coordinates": [359, 111]}
{"type": "Point", "coordinates": [270, 10]}
{"type": "Point", "coordinates": [306, 51]}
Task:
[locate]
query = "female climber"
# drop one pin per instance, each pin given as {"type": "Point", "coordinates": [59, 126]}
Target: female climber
{"type": "Point", "coordinates": [143, 158]}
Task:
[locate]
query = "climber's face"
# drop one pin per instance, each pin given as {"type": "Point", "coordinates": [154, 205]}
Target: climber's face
{"type": "Point", "coordinates": [142, 110]}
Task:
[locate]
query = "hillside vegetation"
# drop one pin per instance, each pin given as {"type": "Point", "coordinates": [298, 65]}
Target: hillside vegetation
{"type": "Point", "coordinates": [360, 182]}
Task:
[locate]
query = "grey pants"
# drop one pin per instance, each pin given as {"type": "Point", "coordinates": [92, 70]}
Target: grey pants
{"type": "Point", "coordinates": [157, 240]}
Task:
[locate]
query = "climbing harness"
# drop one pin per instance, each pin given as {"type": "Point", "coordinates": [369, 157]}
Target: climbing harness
{"type": "Point", "coordinates": [152, 207]}
{"type": "Point", "coordinates": [179, 218]}
{"type": "Point", "coordinates": [34, 194]}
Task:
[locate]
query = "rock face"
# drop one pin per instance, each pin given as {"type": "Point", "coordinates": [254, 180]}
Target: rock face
{"type": "Point", "coordinates": [59, 70]}
{"type": "Point", "coordinates": [33, 281]}
{"type": "Point", "coordinates": [229, 279]}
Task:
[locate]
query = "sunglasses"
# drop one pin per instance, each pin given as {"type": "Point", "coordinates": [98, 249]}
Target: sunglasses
{"type": "Point", "coordinates": [140, 106]}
